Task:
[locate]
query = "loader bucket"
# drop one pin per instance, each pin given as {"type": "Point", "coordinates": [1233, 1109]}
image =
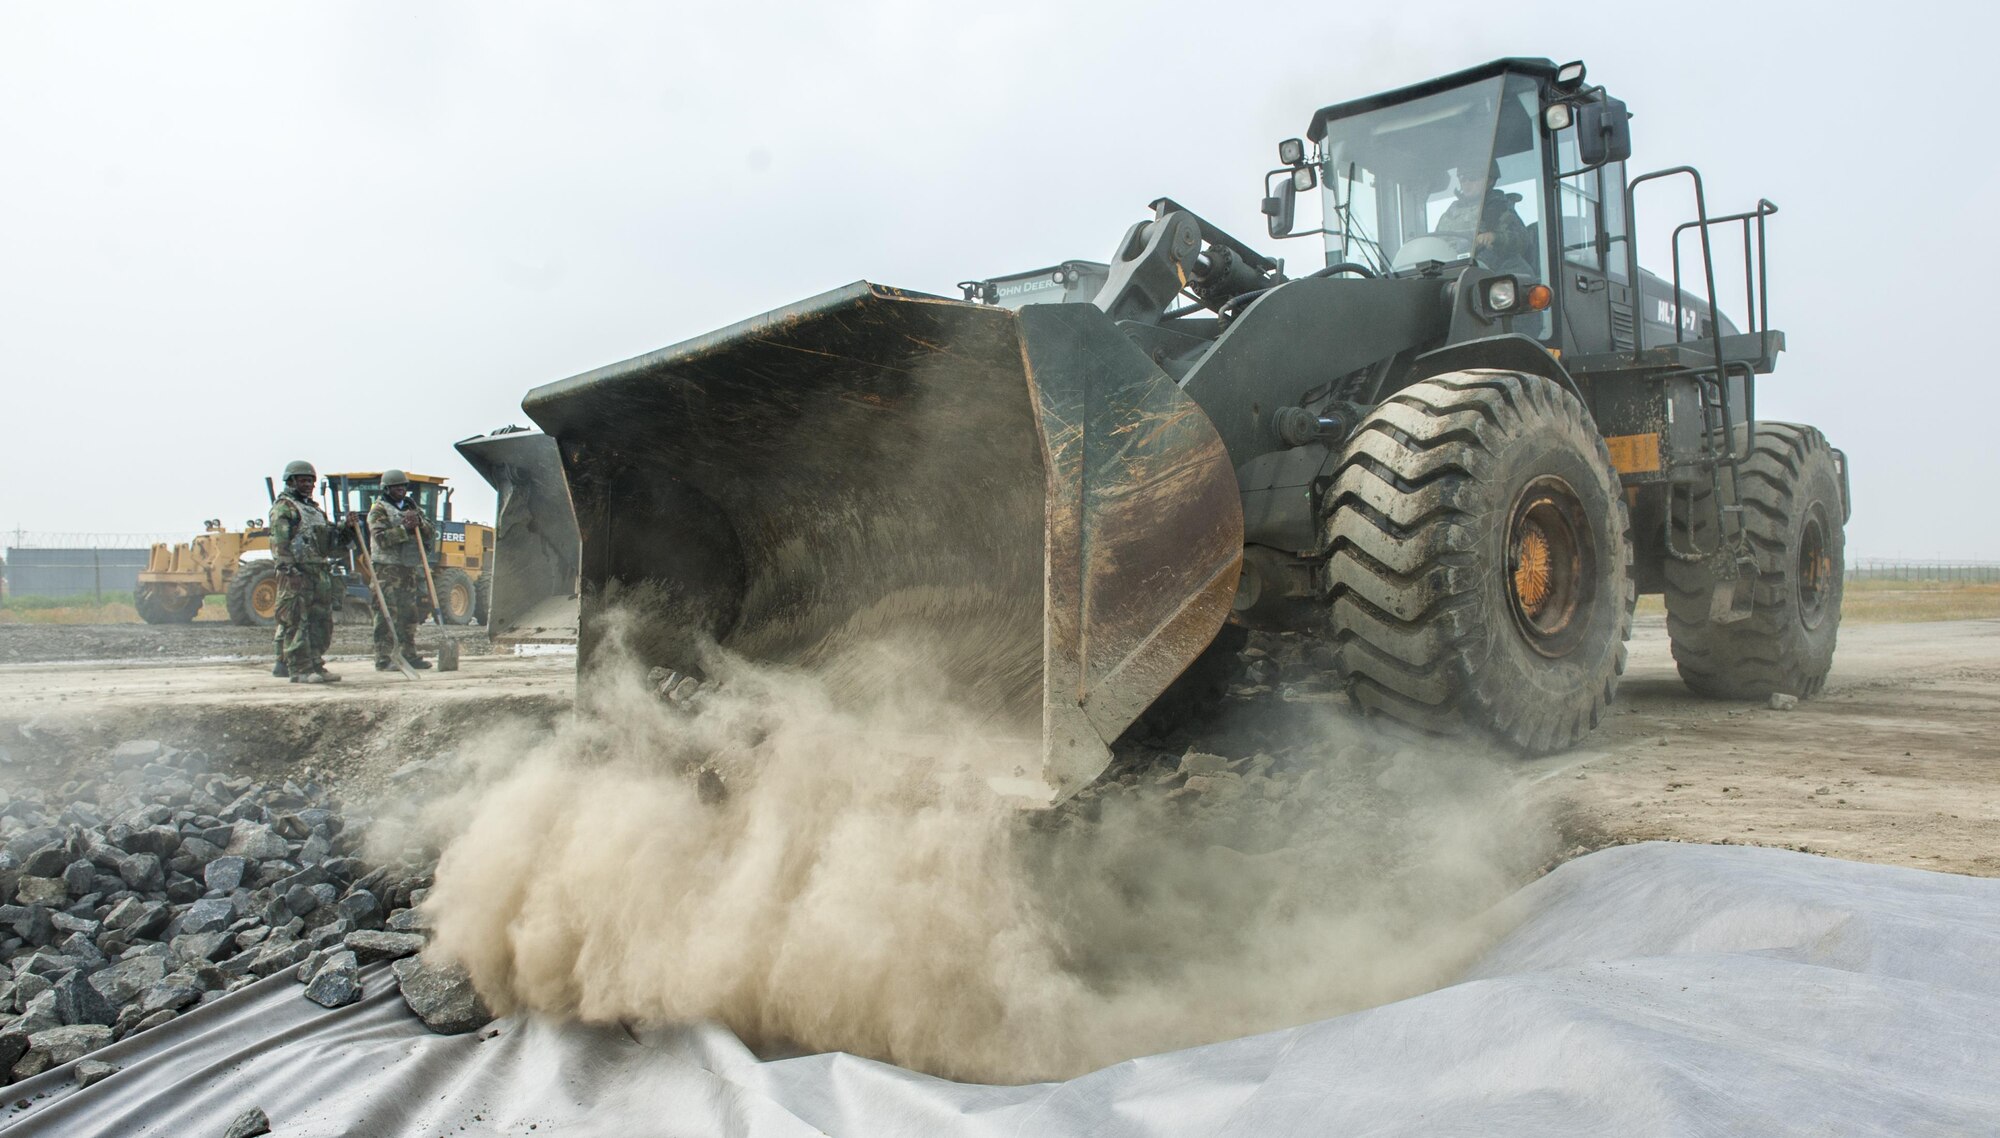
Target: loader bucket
{"type": "Point", "coordinates": [533, 596]}
{"type": "Point", "coordinates": [1019, 502]}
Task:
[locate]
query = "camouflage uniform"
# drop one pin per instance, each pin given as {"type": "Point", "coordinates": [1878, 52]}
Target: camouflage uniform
{"type": "Point", "coordinates": [1494, 214]}
{"type": "Point", "coordinates": [398, 558]}
{"type": "Point", "coordinates": [303, 542]}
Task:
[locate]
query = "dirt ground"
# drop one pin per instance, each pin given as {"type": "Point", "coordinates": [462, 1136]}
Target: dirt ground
{"type": "Point", "coordinates": [1897, 763]}
{"type": "Point", "coordinates": [200, 640]}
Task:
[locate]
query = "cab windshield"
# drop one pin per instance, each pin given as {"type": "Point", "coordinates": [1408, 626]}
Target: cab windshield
{"type": "Point", "coordinates": [1451, 177]}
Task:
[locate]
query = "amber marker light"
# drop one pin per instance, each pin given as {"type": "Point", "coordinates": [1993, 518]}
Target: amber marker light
{"type": "Point", "coordinates": [1539, 297]}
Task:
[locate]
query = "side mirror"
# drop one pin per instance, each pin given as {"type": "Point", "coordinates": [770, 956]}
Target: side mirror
{"type": "Point", "coordinates": [1603, 132]}
{"type": "Point", "coordinates": [1280, 210]}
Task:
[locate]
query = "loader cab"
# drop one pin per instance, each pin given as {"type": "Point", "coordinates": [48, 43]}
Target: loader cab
{"type": "Point", "coordinates": [1472, 171]}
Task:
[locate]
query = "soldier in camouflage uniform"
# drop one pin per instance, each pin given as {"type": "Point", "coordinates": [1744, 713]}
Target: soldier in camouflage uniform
{"type": "Point", "coordinates": [303, 543]}
{"type": "Point", "coordinates": [400, 538]}
{"type": "Point", "coordinates": [1484, 215]}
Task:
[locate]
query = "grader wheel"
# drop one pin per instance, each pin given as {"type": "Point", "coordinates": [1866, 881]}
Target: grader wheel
{"type": "Point", "coordinates": [253, 594]}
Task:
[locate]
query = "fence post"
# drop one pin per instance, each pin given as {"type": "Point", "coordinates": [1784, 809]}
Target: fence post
{"type": "Point", "coordinates": [96, 577]}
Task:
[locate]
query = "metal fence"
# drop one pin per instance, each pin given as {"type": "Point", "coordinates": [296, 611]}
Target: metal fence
{"type": "Point", "coordinates": [72, 572]}
{"type": "Point", "coordinates": [1890, 569]}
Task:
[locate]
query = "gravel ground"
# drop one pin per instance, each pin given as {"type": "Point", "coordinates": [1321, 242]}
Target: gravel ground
{"type": "Point", "coordinates": [39, 643]}
{"type": "Point", "coordinates": [158, 884]}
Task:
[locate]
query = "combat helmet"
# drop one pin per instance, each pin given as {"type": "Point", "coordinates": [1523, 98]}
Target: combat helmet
{"type": "Point", "coordinates": [301, 466]}
{"type": "Point", "coordinates": [394, 477]}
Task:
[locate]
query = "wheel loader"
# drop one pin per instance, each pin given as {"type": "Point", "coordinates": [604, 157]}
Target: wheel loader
{"type": "Point", "coordinates": [237, 565]}
{"type": "Point", "coordinates": [1457, 451]}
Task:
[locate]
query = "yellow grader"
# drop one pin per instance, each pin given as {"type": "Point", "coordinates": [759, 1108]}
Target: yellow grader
{"type": "Point", "coordinates": [237, 563]}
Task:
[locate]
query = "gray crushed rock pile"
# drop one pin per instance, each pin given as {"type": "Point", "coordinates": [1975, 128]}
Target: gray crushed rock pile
{"type": "Point", "coordinates": [158, 886]}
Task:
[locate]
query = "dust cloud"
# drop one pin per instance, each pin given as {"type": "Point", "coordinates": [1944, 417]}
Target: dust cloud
{"type": "Point", "coordinates": [822, 869]}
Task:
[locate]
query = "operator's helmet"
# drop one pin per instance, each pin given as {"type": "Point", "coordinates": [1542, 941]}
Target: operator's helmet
{"type": "Point", "coordinates": [394, 477]}
{"type": "Point", "coordinates": [294, 469]}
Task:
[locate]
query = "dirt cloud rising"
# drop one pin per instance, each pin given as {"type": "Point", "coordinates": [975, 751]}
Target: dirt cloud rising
{"type": "Point", "coordinates": [854, 887]}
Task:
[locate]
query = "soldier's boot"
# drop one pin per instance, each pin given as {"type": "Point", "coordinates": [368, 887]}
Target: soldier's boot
{"type": "Point", "coordinates": [279, 670]}
{"type": "Point", "coordinates": [416, 661]}
{"type": "Point", "coordinates": [326, 676]}
{"type": "Point", "coordinates": [382, 665]}
{"type": "Point", "coordinates": [311, 678]}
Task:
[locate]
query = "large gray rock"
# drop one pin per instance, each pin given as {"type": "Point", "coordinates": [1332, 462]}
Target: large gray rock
{"type": "Point", "coordinates": [143, 872]}
{"type": "Point", "coordinates": [359, 905]}
{"type": "Point", "coordinates": [137, 752]}
{"type": "Point", "coordinates": [409, 921]}
{"type": "Point", "coordinates": [201, 947]}
{"type": "Point", "coordinates": [249, 1124]}
{"type": "Point", "coordinates": [171, 994]}
{"type": "Point", "coordinates": [77, 1002]}
{"type": "Point", "coordinates": [373, 947]}
{"type": "Point", "coordinates": [337, 983]}
{"type": "Point", "coordinates": [224, 874]}
{"type": "Point", "coordinates": [13, 1045]}
{"type": "Point", "coordinates": [255, 841]}
{"type": "Point", "coordinates": [442, 997]}
{"type": "Point", "coordinates": [200, 850]}
{"type": "Point", "coordinates": [124, 981]}
{"type": "Point", "coordinates": [67, 1044]}
{"type": "Point", "coordinates": [138, 919]}
{"type": "Point", "coordinates": [38, 1014]}
{"type": "Point", "coordinates": [90, 1071]}
{"type": "Point", "coordinates": [70, 923]}
{"type": "Point", "coordinates": [79, 877]}
{"type": "Point", "coordinates": [207, 915]}
{"type": "Point", "coordinates": [28, 841]}
{"type": "Point", "coordinates": [160, 841]}
{"type": "Point", "coordinates": [47, 861]}
{"type": "Point", "coordinates": [41, 891]}
{"type": "Point", "coordinates": [274, 958]}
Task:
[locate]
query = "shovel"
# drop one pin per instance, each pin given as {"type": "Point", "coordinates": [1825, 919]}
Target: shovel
{"type": "Point", "coordinates": [381, 602]}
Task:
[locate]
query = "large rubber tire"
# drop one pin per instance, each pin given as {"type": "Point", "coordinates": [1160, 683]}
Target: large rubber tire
{"type": "Point", "coordinates": [1480, 562]}
{"type": "Point", "coordinates": [165, 604]}
{"type": "Point", "coordinates": [252, 598]}
{"type": "Point", "coordinates": [482, 597]}
{"type": "Point", "coordinates": [1796, 519]}
{"type": "Point", "coordinates": [457, 595]}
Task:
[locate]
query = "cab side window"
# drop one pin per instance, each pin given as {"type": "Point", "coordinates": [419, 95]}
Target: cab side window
{"type": "Point", "coordinates": [1586, 201]}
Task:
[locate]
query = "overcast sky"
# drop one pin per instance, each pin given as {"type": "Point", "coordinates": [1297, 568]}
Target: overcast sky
{"type": "Point", "coordinates": [236, 234]}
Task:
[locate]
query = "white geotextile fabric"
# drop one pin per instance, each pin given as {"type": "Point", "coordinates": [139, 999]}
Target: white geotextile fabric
{"type": "Point", "coordinates": [1652, 989]}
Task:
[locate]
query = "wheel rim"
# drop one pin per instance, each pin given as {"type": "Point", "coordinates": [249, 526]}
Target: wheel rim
{"type": "Point", "coordinates": [264, 598]}
{"type": "Point", "coordinates": [1815, 572]}
{"type": "Point", "coordinates": [1551, 566]}
{"type": "Point", "coordinates": [458, 602]}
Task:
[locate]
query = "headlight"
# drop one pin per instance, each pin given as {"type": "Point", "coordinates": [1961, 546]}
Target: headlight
{"type": "Point", "coordinates": [1292, 151]}
{"type": "Point", "coordinates": [1556, 116]}
{"type": "Point", "coordinates": [1501, 295]}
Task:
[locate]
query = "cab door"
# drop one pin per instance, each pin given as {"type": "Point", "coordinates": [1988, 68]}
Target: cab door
{"type": "Point", "coordinates": [1592, 249]}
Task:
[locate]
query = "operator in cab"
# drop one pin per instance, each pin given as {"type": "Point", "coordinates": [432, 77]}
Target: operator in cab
{"type": "Point", "coordinates": [1483, 215]}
